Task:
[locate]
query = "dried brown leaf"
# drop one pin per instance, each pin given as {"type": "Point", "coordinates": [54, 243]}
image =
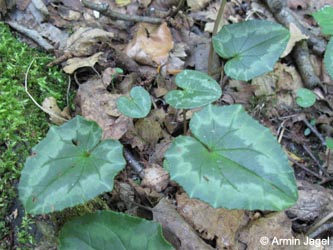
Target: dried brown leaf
{"type": "Point", "coordinates": [84, 41]}
{"type": "Point", "coordinates": [314, 201]}
{"type": "Point", "coordinates": [96, 103]}
{"type": "Point", "coordinates": [155, 178]}
{"type": "Point", "coordinates": [265, 84]}
{"type": "Point", "coordinates": [75, 63]}
{"type": "Point", "coordinates": [197, 4]}
{"type": "Point", "coordinates": [220, 224]}
{"type": "Point", "coordinates": [159, 152]}
{"type": "Point", "coordinates": [149, 130]}
{"type": "Point", "coordinates": [50, 104]}
{"type": "Point", "coordinates": [120, 127]}
{"type": "Point", "coordinates": [288, 78]}
{"type": "Point", "coordinates": [122, 3]}
{"type": "Point", "coordinates": [275, 225]}
{"type": "Point", "coordinates": [151, 44]}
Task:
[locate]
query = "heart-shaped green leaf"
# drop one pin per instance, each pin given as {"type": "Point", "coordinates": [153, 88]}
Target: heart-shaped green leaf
{"type": "Point", "coordinates": [137, 105]}
{"type": "Point", "coordinates": [198, 89]}
{"type": "Point", "coordinates": [69, 167]}
{"type": "Point", "coordinates": [112, 231]}
{"type": "Point", "coordinates": [329, 142]}
{"type": "Point", "coordinates": [305, 98]}
{"type": "Point", "coordinates": [328, 57]}
{"type": "Point", "coordinates": [324, 18]}
{"type": "Point", "coordinates": [252, 47]}
{"type": "Point", "coordinates": [232, 162]}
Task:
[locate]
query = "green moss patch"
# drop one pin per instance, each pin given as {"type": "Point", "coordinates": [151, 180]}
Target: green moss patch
{"type": "Point", "coordinates": [22, 123]}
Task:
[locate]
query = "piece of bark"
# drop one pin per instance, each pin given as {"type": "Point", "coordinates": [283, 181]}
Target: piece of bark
{"type": "Point", "coordinates": [175, 228]}
{"type": "Point", "coordinates": [302, 58]}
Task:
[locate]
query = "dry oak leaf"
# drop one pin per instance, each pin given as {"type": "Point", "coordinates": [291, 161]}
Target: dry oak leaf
{"type": "Point", "coordinates": [94, 102]}
{"type": "Point", "coordinates": [122, 3]}
{"type": "Point", "coordinates": [273, 226]}
{"type": "Point", "coordinates": [57, 116]}
{"type": "Point", "coordinates": [75, 63]}
{"type": "Point", "coordinates": [220, 224]}
{"type": "Point", "coordinates": [197, 4]}
{"type": "Point", "coordinates": [83, 42]}
{"type": "Point", "coordinates": [151, 44]}
{"type": "Point", "coordinates": [149, 130]}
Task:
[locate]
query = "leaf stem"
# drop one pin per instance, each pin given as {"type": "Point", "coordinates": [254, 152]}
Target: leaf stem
{"type": "Point", "coordinates": [215, 30]}
{"type": "Point", "coordinates": [184, 121]}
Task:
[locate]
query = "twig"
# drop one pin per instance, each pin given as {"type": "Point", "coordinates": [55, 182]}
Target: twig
{"type": "Point", "coordinates": [31, 97]}
{"type": "Point", "coordinates": [60, 59]}
{"type": "Point", "coordinates": [68, 89]}
{"type": "Point", "coordinates": [184, 121]}
{"type": "Point", "coordinates": [106, 11]}
{"type": "Point", "coordinates": [315, 131]}
{"type": "Point", "coordinates": [32, 34]}
{"type": "Point", "coordinates": [285, 16]}
{"type": "Point", "coordinates": [306, 169]}
{"type": "Point", "coordinates": [314, 158]}
{"type": "Point", "coordinates": [313, 231]}
{"type": "Point", "coordinates": [327, 227]}
{"type": "Point", "coordinates": [280, 131]}
{"type": "Point", "coordinates": [215, 30]}
{"type": "Point", "coordinates": [300, 51]}
{"type": "Point", "coordinates": [179, 6]}
{"type": "Point", "coordinates": [133, 162]}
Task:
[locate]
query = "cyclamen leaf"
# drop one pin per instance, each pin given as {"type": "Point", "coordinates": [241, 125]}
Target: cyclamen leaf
{"type": "Point", "coordinates": [329, 142]}
{"type": "Point", "coordinates": [232, 162]}
{"type": "Point", "coordinates": [112, 231]}
{"type": "Point", "coordinates": [69, 167]}
{"type": "Point", "coordinates": [198, 89]}
{"type": "Point", "coordinates": [328, 57]}
{"type": "Point", "coordinates": [305, 98]}
{"type": "Point", "coordinates": [137, 105]}
{"type": "Point", "coordinates": [252, 47]}
{"type": "Point", "coordinates": [324, 18]}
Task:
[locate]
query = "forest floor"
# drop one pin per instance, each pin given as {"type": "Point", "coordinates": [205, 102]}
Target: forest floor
{"type": "Point", "coordinates": [76, 58]}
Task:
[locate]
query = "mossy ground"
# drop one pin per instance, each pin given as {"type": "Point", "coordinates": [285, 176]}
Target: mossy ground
{"type": "Point", "coordinates": [22, 123]}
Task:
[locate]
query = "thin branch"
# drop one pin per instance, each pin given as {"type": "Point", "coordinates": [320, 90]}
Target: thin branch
{"type": "Point", "coordinates": [315, 131]}
{"type": "Point", "coordinates": [137, 167]}
{"type": "Point", "coordinates": [68, 89]}
{"type": "Point", "coordinates": [179, 6]}
{"type": "Point", "coordinates": [313, 231]}
{"type": "Point", "coordinates": [285, 16]}
{"type": "Point", "coordinates": [306, 169]}
{"type": "Point", "coordinates": [184, 121]}
{"type": "Point", "coordinates": [327, 227]}
{"type": "Point", "coordinates": [32, 34]}
{"type": "Point", "coordinates": [314, 159]}
{"type": "Point", "coordinates": [33, 100]}
{"type": "Point", "coordinates": [215, 30]}
{"type": "Point", "coordinates": [105, 10]}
